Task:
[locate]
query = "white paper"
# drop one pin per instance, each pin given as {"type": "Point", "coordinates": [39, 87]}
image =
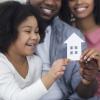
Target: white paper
{"type": "Point", "coordinates": [74, 48]}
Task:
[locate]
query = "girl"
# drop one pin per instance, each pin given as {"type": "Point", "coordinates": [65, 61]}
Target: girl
{"type": "Point", "coordinates": [85, 15]}
{"type": "Point", "coordinates": [20, 68]}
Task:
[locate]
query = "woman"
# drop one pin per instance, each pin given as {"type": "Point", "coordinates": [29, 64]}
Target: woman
{"type": "Point", "coordinates": [85, 15]}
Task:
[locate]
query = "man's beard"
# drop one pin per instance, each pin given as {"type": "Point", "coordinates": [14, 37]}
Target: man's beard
{"type": "Point", "coordinates": [46, 22]}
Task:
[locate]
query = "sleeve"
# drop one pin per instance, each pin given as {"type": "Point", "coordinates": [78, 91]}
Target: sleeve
{"type": "Point", "coordinates": [75, 96]}
{"type": "Point", "coordinates": [75, 77]}
{"type": "Point", "coordinates": [9, 89]}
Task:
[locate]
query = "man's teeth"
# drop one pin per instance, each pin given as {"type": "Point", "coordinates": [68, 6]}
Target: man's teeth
{"type": "Point", "coordinates": [47, 11]}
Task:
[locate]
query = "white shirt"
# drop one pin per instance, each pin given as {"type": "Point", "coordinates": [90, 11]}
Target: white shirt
{"type": "Point", "coordinates": [15, 87]}
{"type": "Point", "coordinates": [54, 93]}
{"type": "Point", "coordinates": [43, 49]}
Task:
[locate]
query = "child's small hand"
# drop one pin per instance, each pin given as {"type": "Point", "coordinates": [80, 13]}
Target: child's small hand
{"type": "Point", "coordinates": [55, 72]}
{"type": "Point", "coordinates": [58, 68]}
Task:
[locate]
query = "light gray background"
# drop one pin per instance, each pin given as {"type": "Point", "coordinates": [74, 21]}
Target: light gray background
{"type": "Point", "coordinates": [22, 1]}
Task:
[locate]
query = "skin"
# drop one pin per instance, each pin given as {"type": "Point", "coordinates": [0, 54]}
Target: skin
{"type": "Point", "coordinates": [25, 45]}
{"type": "Point", "coordinates": [82, 8]}
{"type": "Point", "coordinates": [47, 8]}
{"type": "Point", "coordinates": [91, 54]}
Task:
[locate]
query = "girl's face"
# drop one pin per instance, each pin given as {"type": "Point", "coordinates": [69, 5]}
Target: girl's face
{"type": "Point", "coordinates": [28, 37]}
{"type": "Point", "coordinates": [81, 8]}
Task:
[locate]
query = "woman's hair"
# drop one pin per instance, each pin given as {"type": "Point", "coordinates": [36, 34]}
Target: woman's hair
{"type": "Point", "coordinates": [65, 13]}
{"type": "Point", "coordinates": [12, 14]}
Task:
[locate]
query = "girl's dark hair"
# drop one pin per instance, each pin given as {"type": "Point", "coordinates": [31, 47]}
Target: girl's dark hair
{"type": "Point", "coordinates": [65, 13]}
{"type": "Point", "coordinates": [12, 14]}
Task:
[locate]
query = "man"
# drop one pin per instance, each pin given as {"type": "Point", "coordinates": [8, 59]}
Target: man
{"type": "Point", "coordinates": [53, 48]}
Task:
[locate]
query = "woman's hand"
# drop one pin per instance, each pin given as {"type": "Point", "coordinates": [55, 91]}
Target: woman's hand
{"type": "Point", "coordinates": [91, 54]}
{"type": "Point", "coordinates": [89, 65]}
{"type": "Point", "coordinates": [58, 68]}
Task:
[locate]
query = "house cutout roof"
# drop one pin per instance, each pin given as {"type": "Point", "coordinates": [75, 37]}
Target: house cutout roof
{"type": "Point", "coordinates": [74, 38]}
{"type": "Point", "coordinates": [73, 46]}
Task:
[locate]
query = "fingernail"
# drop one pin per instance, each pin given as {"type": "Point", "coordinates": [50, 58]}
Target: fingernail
{"type": "Point", "coordinates": [88, 59]}
{"type": "Point", "coordinates": [85, 57]}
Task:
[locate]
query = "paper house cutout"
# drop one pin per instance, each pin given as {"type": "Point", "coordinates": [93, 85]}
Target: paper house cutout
{"type": "Point", "coordinates": [74, 48]}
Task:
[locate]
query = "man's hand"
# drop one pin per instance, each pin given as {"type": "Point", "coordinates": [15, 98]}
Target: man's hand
{"type": "Point", "coordinates": [88, 71]}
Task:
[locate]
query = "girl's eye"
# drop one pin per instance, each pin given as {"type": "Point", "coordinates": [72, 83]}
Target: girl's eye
{"type": "Point", "coordinates": [37, 31]}
{"type": "Point", "coordinates": [27, 31]}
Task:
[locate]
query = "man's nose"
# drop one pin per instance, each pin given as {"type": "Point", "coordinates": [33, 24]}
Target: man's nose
{"type": "Point", "coordinates": [50, 2]}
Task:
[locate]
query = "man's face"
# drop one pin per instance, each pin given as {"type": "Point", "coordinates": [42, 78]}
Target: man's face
{"type": "Point", "coordinates": [48, 8]}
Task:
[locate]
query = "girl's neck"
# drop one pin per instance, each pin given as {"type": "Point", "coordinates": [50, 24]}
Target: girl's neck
{"type": "Point", "coordinates": [14, 58]}
{"type": "Point", "coordinates": [87, 25]}
{"type": "Point", "coordinates": [19, 62]}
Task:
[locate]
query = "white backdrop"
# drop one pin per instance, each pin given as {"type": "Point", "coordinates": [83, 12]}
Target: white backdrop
{"type": "Point", "coordinates": [23, 1]}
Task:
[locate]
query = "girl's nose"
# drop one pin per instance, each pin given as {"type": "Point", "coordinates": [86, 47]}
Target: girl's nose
{"type": "Point", "coordinates": [35, 37]}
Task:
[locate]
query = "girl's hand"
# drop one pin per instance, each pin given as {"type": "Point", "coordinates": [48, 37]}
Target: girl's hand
{"type": "Point", "coordinates": [56, 71]}
{"type": "Point", "coordinates": [58, 68]}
